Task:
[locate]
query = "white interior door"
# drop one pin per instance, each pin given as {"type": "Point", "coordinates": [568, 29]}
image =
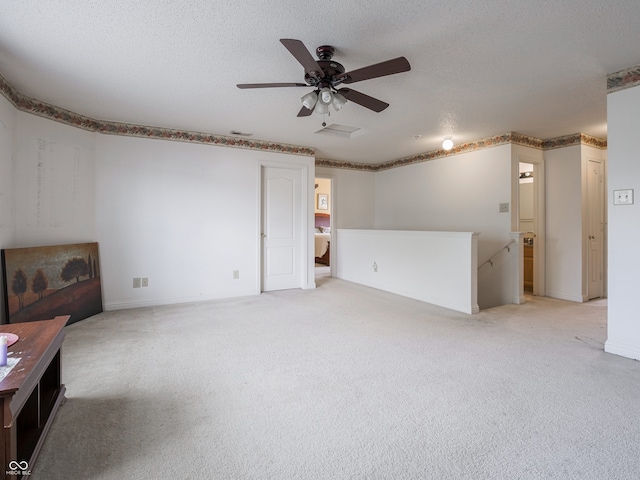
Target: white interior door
{"type": "Point", "coordinates": [281, 228]}
{"type": "Point", "coordinates": [595, 228]}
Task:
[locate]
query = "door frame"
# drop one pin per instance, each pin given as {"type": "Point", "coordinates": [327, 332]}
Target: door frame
{"type": "Point", "coordinates": [306, 244]}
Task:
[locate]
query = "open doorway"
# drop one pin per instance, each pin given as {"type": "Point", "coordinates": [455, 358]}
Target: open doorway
{"type": "Point", "coordinates": [531, 221]}
{"type": "Point", "coordinates": [527, 221]}
{"type": "Point", "coordinates": [322, 226]}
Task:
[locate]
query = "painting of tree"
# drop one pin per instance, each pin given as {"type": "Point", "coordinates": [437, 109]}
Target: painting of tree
{"type": "Point", "coordinates": [19, 286]}
{"type": "Point", "coordinates": [40, 283]}
{"type": "Point", "coordinates": [75, 268]}
{"type": "Point", "coordinates": [43, 282]}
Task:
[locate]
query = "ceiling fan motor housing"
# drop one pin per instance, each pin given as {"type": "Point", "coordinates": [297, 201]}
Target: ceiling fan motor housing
{"type": "Point", "coordinates": [325, 52]}
{"type": "Point", "coordinates": [331, 70]}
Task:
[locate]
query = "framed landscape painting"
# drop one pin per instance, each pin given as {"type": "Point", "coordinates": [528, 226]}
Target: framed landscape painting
{"type": "Point", "coordinates": [43, 282]}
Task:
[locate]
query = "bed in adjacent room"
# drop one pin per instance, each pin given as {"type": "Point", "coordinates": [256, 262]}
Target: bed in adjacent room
{"type": "Point", "coordinates": [322, 238]}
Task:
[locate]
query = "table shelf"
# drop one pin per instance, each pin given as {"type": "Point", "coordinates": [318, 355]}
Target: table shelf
{"type": "Point", "coordinates": [32, 392]}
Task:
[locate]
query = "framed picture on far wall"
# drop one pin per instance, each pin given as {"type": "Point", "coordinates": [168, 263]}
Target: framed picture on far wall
{"type": "Point", "coordinates": [323, 201]}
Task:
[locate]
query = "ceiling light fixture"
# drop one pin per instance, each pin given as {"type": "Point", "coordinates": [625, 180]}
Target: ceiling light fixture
{"type": "Point", "coordinates": [319, 100]}
{"type": "Point", "coordinates": [322, 108]}
{"type": "Point", "coordinates": [447, 143]}
{"type": "Point", "coordinates": [325, 96]}
{"type": "Point", "coordinates": [309, 100]}
{"type": "Point", "coordinates": [338, 101]}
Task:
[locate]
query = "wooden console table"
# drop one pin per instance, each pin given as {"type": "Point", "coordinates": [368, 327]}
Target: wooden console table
{"type": "Point", "coordinates": [31, 393]}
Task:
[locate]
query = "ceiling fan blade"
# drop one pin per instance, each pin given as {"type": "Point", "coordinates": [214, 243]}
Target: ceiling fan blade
{"type": "Point", "coordinates": [364, 100]}
{"type": "Point", "coordinates": [300, 52]}
{"type": "Point", "coordinates": [270, 85]}
{"type": "Point", "coordinates": [304, 112]}
{"type": "Point", "coordinates": [390, 67]}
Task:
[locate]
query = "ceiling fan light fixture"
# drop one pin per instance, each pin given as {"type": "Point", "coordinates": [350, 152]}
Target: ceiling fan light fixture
{"type": "Point", "coordinates": [325, 96]}
{"type": "Point", "coordinates": [309, 100]}
{"type": "Point", "coordinates": [321, 108]}
{"type": "Point", "coordinates": [338, 101]}
{"type": "Point", "coordinates": [447, 143]}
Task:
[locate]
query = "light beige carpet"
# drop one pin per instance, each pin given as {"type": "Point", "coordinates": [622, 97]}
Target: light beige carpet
{"type": "Point", "coordinates": [344, 382]}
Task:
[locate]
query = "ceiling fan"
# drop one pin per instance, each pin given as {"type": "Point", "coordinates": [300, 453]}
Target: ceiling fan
{"type": "Point", "coordinates": [325, 75]}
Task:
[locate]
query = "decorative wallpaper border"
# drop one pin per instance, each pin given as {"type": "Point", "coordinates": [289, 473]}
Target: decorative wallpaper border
{"type": "Point", "coordinates": [29, 105]}
{"type": "Point", "coordinates": [574, 139]}
{"type": "Point", "coordinates": [623, 79]}
{"type": "Point", "coordinates": [504, 139]}
{"type": "Point", "coordinates": [362, 167]}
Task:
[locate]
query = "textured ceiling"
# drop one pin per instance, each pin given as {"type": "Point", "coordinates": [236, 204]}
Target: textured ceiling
{"type": "Point", "coordinates": [478, 68]}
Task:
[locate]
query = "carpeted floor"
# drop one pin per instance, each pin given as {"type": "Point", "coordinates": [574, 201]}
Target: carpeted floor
{"type": "Point", "coordinates": [344, 382]}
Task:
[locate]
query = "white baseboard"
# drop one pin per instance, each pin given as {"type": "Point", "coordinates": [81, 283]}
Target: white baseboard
{"type": "Point", "coordinates": [564, 296]}
{"type": "Point", "coordinates": [624, 350]}
{"type": "Point", "coordinates": [173, 301]}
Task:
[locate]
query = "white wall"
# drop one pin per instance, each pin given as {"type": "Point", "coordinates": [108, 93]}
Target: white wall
{"type": "Point", "coordinates": [54, 167]}
{"type": "Point", "coordinates": [457, 193]}
{"type": "Point", "coordinates": [183, 215]}
{"type": "Point", "coordinates": [623, 111]}
{"type": "Point", "coordinates": [7, 196]}
{"type": "Point", "coordinates": [47, 181]}
{"type": "Point", "coordinates": [354, 197]}
{"type": "Point", "coordinates": [178, 214]}
{"type": "Point", "coordinates": [567, 221]}
{"type": "Point", "coordinates": [564, 223]}
{"type": "Point", "coordinates": [460, 192]}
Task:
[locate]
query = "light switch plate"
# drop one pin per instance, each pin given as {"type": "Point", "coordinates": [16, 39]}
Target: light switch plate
{"type": "Point", "coordinates": [623, 197]}
{"type": "Point", "coordinates": [504, 207]}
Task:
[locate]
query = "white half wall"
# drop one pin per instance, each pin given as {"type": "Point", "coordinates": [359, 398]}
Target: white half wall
{"type": "Point", "coordinates": [623, 112]}
{"type": "Point", "coordinates": [435, 267]}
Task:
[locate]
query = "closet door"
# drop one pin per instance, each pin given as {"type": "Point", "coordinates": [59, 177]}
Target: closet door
{"type": "Point", "coordinates": [281, 227]}
{"type": "Point", "coordinates": [595, 228]}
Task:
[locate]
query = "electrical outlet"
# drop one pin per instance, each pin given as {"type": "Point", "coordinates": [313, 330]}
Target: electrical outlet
{"type": "Point", "coordinates": [236, 274]}
{"type": "Point", "coordinates": [136, 282]}
{"type": "Point", "coordinates": [504, 207]}
{"type": "Point", "coordinates": [145, 282]}
{"type": "Point", "coordinates": [375, 267]}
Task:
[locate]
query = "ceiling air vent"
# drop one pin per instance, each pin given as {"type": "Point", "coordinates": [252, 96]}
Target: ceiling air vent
{"type": "Point", "coordinates": [341, 131]}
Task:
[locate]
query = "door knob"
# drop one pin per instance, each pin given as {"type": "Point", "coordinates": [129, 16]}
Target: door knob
{"type": "Point", "coordinates": [262, 235]}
